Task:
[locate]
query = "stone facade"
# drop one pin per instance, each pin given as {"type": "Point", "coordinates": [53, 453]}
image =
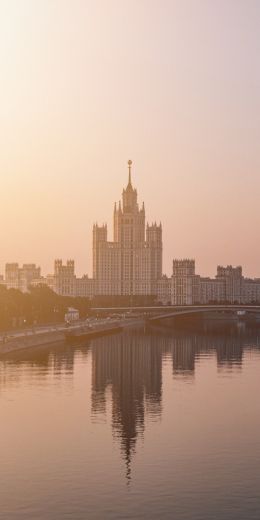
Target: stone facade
{"type": "Point", "coordinates": [187, 288]}
{"type": "Point", "coordinates": [65, 283]}
{"type": "Point", "coordinates": [21, 277]}
{"type": "Point", "coordinates": [132, 264]}
{"type": "Point", "coordinates": [183, 274]}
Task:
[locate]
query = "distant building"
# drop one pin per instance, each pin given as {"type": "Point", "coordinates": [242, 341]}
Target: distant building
{"type": "Point", "coordinates": [228, 286]}
{"type": "Point", "coordinates": [164, 290]}
{"type": "Point", "coordinates": [71, 314]}
{"type": "Point", "coordinates": [211, 290]}
{"type": "Point", "coordinates": [182, 282]}
{"type": "Point", "coordinates": [232, 279]}
{"type": "Point", "coordinates": [64, 280]}
{"type": "Point", "coordinates": [184, 287]}
{"type": "Point", "coordinates": [65, 283]}
{"type": "Point", "coordinates": [2, 280]}
{"type": "Point", "coordinates": [48, 281]}
{"type": "Point", "coordinates": [250, 290]}
{"type": "Point", "coordinates": [85, 287]}
{"type": "Point", "coordinates": [131, 264]}
{"type": "Point", "coordinates": [21, 277]}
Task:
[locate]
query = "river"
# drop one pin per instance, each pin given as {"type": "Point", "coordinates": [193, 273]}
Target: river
{"type": "Point", "coordinates": [145, 424]}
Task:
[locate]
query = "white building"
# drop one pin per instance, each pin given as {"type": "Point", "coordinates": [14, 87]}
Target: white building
{"type": "Point", "coordinates": [228, 286]}
{"type": "Point", "coordinates": [164, 290]}
{"type": "Point", "coordinates": [183, 274]}
{"type": "Point", "coordinates": [65, 283]}
{"type": "Point", "coordinates": [71, 314]}
{"type": "Point", "coordinates": [21, 277]}
{"type": "Point", "coordinates": [64, 280]}
{"type": "Point", "coordinates": [231, 277]}
{"type": "Point", "coordinates": [132, 263]}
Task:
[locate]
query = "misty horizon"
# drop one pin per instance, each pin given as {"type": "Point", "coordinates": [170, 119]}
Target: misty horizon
{"type": "Point", "coordinates": [173, 86]}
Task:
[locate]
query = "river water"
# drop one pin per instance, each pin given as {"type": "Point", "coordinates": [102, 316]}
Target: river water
{"type": "Point", "coordinates": [149, 424]}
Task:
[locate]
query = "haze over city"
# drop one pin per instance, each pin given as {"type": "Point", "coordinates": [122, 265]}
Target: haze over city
{"type": "Point", "coordinates": [129, 259]}
{"type": "Point", "coordinates": [172, 85]}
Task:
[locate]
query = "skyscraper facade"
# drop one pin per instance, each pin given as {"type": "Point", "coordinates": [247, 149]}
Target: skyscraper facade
{"type": "Point", "coordinates": [132, 263]}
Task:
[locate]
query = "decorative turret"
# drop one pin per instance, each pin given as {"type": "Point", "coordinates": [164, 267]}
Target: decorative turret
{"type": "Point", "coordinates": [129, 194]}
{"type": "Point", "coordinates": [129, 174]}
{"type": "Point", "coordinates": [154, 234]}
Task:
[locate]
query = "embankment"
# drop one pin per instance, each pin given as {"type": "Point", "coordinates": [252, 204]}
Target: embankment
{"type": "Point", "coordinates": [31, 340]}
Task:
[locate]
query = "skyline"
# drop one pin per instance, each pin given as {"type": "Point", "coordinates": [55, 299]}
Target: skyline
{"type": "Point", "coordinates": [129, 162]}
{"type": "Point", "coordinates": [179, 95]}
{"type": "Point", "coordinates": [130, 259]}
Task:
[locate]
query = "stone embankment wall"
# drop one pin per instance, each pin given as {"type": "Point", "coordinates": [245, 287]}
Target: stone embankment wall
{"type": "Point", "coordinates": [10, 344]}
{"type": "Point", "coordinates": [30, 339]}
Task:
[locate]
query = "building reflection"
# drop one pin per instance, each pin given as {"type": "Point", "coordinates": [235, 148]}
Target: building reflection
{"type": "Point", "coordinates": [40, 363]}
{"type": "Point", "coordinates": [127, 369]}
{"type": "Point", "coordinates": [131, 365]}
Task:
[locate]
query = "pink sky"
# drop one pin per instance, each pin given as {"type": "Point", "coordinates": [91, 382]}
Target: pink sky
{"type": "Point", "coordinates": [173, 85]}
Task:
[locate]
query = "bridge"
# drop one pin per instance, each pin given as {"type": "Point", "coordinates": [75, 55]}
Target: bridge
{"type": "Point", "coordinates": [199, 309]}
{"type": "Point", "coordinates": [155, 313]}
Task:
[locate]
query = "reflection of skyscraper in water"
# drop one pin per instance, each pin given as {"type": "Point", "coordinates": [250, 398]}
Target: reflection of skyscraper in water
{"type": "Point", "coordinates": [183, 350]}
{"type": "Point", "coordinates": [227, 347]}
{"type": "Point", "coordinates": [132, 364]}
{"type": "Point", "coordinates": [229, 350]}
{"type": "Point", "coordinates": [187, 346]}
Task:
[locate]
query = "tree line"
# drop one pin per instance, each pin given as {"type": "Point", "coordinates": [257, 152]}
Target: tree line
{"type": "Point", "coordinates": [40, 305]}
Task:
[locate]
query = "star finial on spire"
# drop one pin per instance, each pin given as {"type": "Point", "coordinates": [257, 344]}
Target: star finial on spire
{"type": "Point", "coordinates": [129, 171]}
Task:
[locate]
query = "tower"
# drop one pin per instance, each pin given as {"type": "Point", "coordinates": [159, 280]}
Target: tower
{"type": "Point", "coordinates": [154, 244]}
{"type": "Point", "coordinates": [99, 242]}
{"type": "Point", "coordinates": [129, 233]}
{"type": "Point", "coordinates": [132, 263]}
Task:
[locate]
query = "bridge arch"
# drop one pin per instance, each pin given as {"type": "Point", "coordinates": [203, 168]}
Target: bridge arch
{"type": "Point", "coordinates": [199, 309]}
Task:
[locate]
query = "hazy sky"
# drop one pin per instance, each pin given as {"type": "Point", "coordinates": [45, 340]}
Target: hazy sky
{"type": "Point", "coordinates": [172, 84]}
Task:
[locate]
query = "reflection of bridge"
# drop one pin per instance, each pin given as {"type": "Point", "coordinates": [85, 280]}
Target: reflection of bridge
{"type": "Point", "coordinates": [163, 312]}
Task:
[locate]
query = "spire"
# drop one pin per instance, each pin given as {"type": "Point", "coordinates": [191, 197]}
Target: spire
{"type": "Point", "coordinates": [129, 172]}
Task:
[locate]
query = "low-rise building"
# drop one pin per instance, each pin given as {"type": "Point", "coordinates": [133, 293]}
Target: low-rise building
{"type": "Point", "coordinates": [2, 280]}
{"type": "Point", "coordinates": [184, 287]}
{"type": "Point", "coordinates": [48, 281]}
{"type": "Point", "coordinates": [187, 288]}
{"type": "Point", "coordinates": [164, 290]}
{"type": "Point", "coordinates": [85, 287]}
{"type": "Point", "coordinates": [71, 314]}
{"type": "Point", "coordinates": [211, 290]}
{"type": "Point", "coordinates": [21, 277]}
{"type": "Point", "coordinates": [250, 290]}
{"type": "Point", "coordinates": [65, 283]}
{"type": "Point", "coordinates": [182, 282]}
{"type": "Point", "coordinates": [231, 277]}
{"type": "Point", "coordinates": [64, 280]}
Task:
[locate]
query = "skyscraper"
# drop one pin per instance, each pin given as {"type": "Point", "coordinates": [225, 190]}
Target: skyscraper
{"type": "Point", "coordinates": [132, 263]}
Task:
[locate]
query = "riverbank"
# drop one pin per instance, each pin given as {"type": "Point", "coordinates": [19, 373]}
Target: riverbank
{"type": "Point", "coordinates": [32, 339]}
